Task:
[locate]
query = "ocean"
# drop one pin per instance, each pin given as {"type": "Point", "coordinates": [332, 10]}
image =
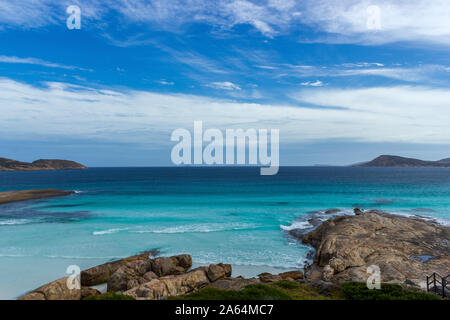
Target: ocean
{"type": "Point", "coordinates": [230, 214]}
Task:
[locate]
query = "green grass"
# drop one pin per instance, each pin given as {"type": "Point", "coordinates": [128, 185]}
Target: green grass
{"type": "Point", "coordinates": [110, 296]}
{"type": "Point", "coordinates": [359, 291]}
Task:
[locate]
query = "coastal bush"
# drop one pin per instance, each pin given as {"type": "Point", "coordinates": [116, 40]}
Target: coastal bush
{"type": "Point", "coordinates": [110, 296]}
{"type": "Point", "coordinates": [251, 292]}
{"type": "Point", "coordinates": [359, 291]}
{"type": "Point", "coordinates": [282, 290]}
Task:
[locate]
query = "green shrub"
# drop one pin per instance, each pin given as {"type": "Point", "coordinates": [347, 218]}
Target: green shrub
{"type": "Point", "coordinates": [287, 285]}
{"type": "Point", "coordinates": [110, 296]}
{"type": "Point", "coordinates": [359, 291]}
{"type": "Point", "coordinates": [251, 292]}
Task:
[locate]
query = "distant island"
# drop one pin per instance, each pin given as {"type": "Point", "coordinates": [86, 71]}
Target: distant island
{"type": "Point", "coordinates": [42, 164]}
{"type": "Point", "coordinates": [396, 161]}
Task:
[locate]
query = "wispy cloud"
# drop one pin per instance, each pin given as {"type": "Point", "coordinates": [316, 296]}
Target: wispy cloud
{"type": "Point", "coordinates": [405, 114]}
{"type": "Point", "coordinates": [226, 85]}
{"type": "Point", "coordinates": [336, 21]}
{"type": "Point", "coordinates": [165, 82]}
{"type": "Point", "coordinates": [36, 61]}
{"type": "Point", "coordinates": [317, 83]}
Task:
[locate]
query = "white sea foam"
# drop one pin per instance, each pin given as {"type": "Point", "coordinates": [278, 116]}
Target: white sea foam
{"type": "Point", "coordinates": [109, 231]}
{"type": "Point", "coordinates": [297, 225]}
{"type": "Point", "coordinates": [199, 228]}
{"type": "Point", "coordinates": [12, 222]}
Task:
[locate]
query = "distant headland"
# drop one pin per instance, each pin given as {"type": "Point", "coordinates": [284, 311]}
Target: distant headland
{"type": "Point", "coordinates": [42, 164]}
{"type": "Point", "coordinates": [396, 161]}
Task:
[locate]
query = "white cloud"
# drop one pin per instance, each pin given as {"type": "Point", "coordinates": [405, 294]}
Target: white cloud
{"type": "Point", "coordinates": [165, 82]}
{"type": "Point", "coordinates": [35, 61]}
{"type": "Point", "coordinates": [60, 110]}
{"type": "Point", "coordinates": [226, 85]}
{"type": "Point", "coordinates": [344, 20]}
{"type": "Point", "coordinates": [317, 83]}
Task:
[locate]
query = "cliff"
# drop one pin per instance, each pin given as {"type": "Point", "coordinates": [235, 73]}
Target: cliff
{"type": "Point", "coordinates": [42, 164]}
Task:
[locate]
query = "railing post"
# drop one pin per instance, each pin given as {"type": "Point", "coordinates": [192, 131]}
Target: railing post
{"type": "Point", "coordinates": [443, 284]}
{"type": "Point", "coordinates": [434, 282]}
{"type": "Point", "coordinates": [428, 284]}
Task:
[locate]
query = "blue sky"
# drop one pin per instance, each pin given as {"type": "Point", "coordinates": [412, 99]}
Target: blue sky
{"type": "Point", "coordinates": [111, 93]}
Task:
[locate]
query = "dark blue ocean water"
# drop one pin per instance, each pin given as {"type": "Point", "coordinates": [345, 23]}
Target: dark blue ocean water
{"type": "Point", "coordinates": [224, 214]}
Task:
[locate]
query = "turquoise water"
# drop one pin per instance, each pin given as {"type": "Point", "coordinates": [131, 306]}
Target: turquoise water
{"type": "Point", "coordinates": [230, 215]}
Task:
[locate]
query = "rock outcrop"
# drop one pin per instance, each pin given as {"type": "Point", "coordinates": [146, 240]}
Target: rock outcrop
{"type": "Point", "coordinates": [403, 248]}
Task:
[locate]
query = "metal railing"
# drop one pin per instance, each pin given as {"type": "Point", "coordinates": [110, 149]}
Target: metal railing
{"type": "Point", "coordinates": [438, 284]}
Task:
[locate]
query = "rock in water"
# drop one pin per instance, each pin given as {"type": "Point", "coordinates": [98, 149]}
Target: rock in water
{"type": "Point", "coordinates": [348, 245]}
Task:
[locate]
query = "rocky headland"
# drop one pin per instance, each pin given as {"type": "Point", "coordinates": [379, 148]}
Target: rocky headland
{"type": "Point", "coordinates": [15, 196]}
{"type": "Point", "coordinates": [42, 164]}
{"type": "Point", "coordinates": [406, 250]}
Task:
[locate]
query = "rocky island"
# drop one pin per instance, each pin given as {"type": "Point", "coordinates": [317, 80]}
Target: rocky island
{"type": "Point", "coordinates": [42, 164]}
{"type": "Point", "coordinates": [405, 249]}
{"type": "Point", "coordinates": [396, 161]}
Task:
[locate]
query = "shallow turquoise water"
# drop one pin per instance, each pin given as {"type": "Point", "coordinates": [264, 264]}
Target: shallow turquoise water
{"type": "Point", "coordinates": [232, 215]}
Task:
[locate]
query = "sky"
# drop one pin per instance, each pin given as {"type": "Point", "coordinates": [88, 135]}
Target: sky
{"type": "Point", "coordinates": [344, 81]}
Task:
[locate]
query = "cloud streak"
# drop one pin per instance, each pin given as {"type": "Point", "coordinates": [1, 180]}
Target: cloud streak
{"type": "Point", "coordinates": [36, 61]}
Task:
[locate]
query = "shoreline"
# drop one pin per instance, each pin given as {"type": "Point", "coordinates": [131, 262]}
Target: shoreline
{"type": "Point", "coordinates": [346, 248]}
{"type": "Point", "coordinates": [23, 195]}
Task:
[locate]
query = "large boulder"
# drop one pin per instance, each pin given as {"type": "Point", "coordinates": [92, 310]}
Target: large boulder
{"type": "Point", "coordinates": [136, 272]}
{"type": "Point", "coordinates": [176, 285]}
{"type": "Point", "coordinates": [291, 275]}
{"type": "Point", "coordinates": [218, 271]}
{"type": "Point", "coordinates": [130, 271]}
{"type": "Point", "coordinates": [170, 285]}
{"type": "Point", "coordinates": [100, 274]}
{"type": "Point", "coordinates": [171, 266]}
{"type": "Point", "coordinates": [56, 290]}
{"type": "Point", "coordinates": [268, 277]}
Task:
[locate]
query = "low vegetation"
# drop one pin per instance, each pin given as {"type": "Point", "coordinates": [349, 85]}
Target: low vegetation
{"type": "Point", "coordinates": [359, 291]}
{"type": "Point", "coordinates": [282, 290]}
{"type": "Point", "coordinates": [288, 290]}
{"type": "Point", "coordinates": [110, 296]}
